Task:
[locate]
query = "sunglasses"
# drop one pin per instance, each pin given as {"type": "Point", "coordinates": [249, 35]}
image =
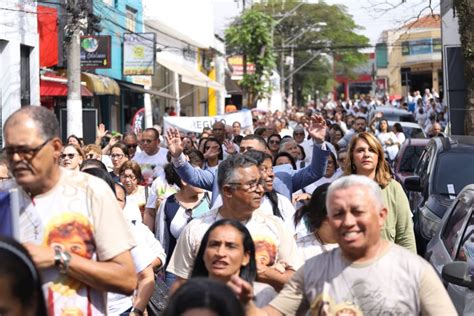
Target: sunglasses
{"type": "Point", "coordinates": [132, 146]}
{"type": "Point", "coordinates": [70, 156]}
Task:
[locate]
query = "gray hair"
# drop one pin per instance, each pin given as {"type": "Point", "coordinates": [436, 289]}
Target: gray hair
{"type": "Point", "coordinates": [357, 181]}
{"type": "Point", "coordinates": [226, 169]}
{"type": "Point", "coordinates": [44, 119]}
{"type": "Point", "coordinates": [284, 141]}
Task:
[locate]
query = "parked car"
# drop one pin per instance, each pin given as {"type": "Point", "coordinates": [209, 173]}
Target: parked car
{"type": "Point", "coordinates": [392, 114]}
{"type": "Point", "coordinates": [410, 129]}
{"type": "Point", "coordinates": [447, 246]}
{"type": "Point", "coordinates": [407, 158]}
{"type": "Point", "coordinates": [444, 168]}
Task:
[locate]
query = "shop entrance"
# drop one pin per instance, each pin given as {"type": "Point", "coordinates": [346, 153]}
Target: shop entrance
{"type": "Point", "coordinates": [421, 81]}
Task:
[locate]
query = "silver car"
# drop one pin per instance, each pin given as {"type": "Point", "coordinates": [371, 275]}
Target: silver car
{"type": "Point", "coordinates": [446, 250]}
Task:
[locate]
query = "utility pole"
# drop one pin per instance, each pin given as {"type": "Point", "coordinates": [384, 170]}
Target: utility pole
{"type": "Point", "coordinates": [290, 83]}
{"type": "Point", "coordinates": [77, 22]}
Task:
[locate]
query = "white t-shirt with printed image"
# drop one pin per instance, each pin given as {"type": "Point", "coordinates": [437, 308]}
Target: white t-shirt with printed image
{"type": "Point", "coordinates": [81, 215]}
{"type": "Point", "coordinates": [274, 245]}
{"type": "Point", "coordinates": [151, 165]}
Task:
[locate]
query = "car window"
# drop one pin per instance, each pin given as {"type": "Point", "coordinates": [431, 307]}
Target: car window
{"type": "Point", "coordinates": [468, 237]}
{"type": "Point", "coordinates": [452, 230]}
{"type": "Point", "coordinates": [453, 169]}
{"type": "Point", "coordinates": [410, 158]}
{"type": "Point", "coordinates": [416, 133]}
{"type": "Point", "coordinates": [422, 167]}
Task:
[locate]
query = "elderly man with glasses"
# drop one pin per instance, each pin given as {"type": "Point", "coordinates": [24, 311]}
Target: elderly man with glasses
{"type": "Point", "coordinates": [241, 188]}
{"type": "Point", "coordinates": [70, 222]}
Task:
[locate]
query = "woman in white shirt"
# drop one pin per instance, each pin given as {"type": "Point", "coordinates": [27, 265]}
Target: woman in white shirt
{"type": "Point", "coordinates": [319, 237]}
{"type": "Point", "coordinates": [388, 140]}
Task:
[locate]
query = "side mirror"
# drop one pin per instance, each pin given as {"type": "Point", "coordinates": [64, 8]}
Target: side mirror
{"type": "Point", "coordinates": [413, 183]}
{"type": "Point", "coordinates": [455, 273]}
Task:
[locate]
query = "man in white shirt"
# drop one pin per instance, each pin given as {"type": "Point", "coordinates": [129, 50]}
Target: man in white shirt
{"type": "Point", "coordinates": [152, 159]}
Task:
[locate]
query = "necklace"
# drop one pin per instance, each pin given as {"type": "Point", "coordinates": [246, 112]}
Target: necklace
{"type": "Point", "coordinates": [36, 226]}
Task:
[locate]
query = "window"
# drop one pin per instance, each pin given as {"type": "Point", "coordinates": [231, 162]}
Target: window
{"type": "Point", "coordinates": [468, 237]}
{"type": "Point", "coordinates": [25, 74]}
{"type": "Point", "coordinates": [410, 158]}
{"type": "Point", "coordinates": [131, 18]}
{"type": "Point", "coordinates": [453, 229]}
{"type": "Point", "coordinates": [453, 168]}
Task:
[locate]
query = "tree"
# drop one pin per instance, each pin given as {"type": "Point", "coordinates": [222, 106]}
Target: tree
{"type": "Point", "coordinates": [251, 36]}
{"type": "Point", "coordinates": [309, 39]}
{"type": "Point", "coordinates": [465, 12]}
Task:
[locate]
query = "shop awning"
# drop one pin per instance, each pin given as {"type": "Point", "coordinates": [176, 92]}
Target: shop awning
{"type": "Point", "coordinates": [232, 87]}
{"type": "Point", "coordinates": [100, 85]}
{"type": "Point", "coordinates": [52, 85]}
{"type": "Point", "coordinates": [143, 90]}
{"type": "Point", "coordinates": [190, 75]}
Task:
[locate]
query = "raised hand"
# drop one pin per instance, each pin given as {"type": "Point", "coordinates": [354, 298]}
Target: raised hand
{"type": "Point", "coordinates": [242, 289]}
{"type": "Point", "coordinates": [229, 147]}
{"type": "Point", "coordinates": [101, 131]}
{"type": "Point", "coordinates": [175, 145]}
{"type": "Point", "coordinates": [317, 128]}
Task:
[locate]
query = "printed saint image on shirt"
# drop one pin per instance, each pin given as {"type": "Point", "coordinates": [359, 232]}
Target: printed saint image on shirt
{"type": "Point", "coordinates": [265, 251]}
{"type": "Point", "coordinates": [70, 232]}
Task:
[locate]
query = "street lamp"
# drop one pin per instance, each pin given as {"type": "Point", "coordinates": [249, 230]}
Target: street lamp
{"type": "Point", "coordinates": [315, 27]}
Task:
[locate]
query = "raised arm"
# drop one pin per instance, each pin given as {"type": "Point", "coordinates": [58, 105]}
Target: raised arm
{"type": "Point", "coordinates": [317, 168]}
{"type": "Point", "coordinates": [194, 176]}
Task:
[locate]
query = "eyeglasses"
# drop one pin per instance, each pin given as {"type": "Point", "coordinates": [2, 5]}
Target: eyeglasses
{"type": "Point", "coordinates": [298, 134]}
{"type": "Point", "coordinates": [128, 176]}
{"type": "Point", "coordinates": [132, 145]}
{"type": "Point", "coordinates": [90, 156]}
{"type": "Point", "coordinates": [266, 170]}
{"type": "Point", "coordinates": [116, 156]}
{"type": "Point", "coordinates": [25, 153]}
{"type": "Point", "coordinates": [251, 186]}
{"type": "Point", "coordinates": [70, 156]}
{"type": "Point", "coordinates": [147, 141]}
{"type": "Point", "coordinates": [274, 142]}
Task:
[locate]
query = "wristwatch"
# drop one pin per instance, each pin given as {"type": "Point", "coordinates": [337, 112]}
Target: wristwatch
{"type": "Point", "coordinates": [61, 260]}
{"type": "Point", "coordinates": [136, 311]}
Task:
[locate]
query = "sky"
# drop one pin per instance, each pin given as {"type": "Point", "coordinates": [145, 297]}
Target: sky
{"type": "Point", "coordinates": [373, 16]}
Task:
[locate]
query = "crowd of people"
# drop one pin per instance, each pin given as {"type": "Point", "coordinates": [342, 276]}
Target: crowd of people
{"type": "Point", "coordinates": [302, 214]}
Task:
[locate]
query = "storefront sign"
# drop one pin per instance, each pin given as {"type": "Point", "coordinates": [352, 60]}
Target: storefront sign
{"type": "Point", "coordinates": [138, 54]}
{"type": "Point", "coordinates": [197, 123]}
{"type": "Point", "coordinates": [96, 52]}
{"type": "Point", "coordinates": [422, 46]}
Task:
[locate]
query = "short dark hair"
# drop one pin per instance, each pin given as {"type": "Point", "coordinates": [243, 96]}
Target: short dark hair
{"type": "Point", "coordinates": [256, 137]}
{"type": "Point", "coordinates": [18, 269]}
{"type": "Point", "coordinates": [122, 147]}
{"type": "Point", "coordinates": [104, 175]}
{"type": "Point", "coordinates": [315, 209]}
{"type": "Point", "coordinates": [204, 293]}
{"type": "Point", "coordinates": [44, 119]}
{"type": "Point", "coordinates": [287, 155]}
{"type": "Point", "coordinates": [248, 272]}
{"type": "Point", "coordinates": [220, 156]}
{"type": "Point", "coordinates": [92, 163]}
{"type": "Point", "coordinates": [154, 131]}
{"type": "Point", "coordinates": [226, 169]}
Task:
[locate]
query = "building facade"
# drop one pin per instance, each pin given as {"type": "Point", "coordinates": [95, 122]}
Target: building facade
{"type": "Point", "coordinates": [19, 56]}
{"type": "Point", "coordinates": [409, 58]}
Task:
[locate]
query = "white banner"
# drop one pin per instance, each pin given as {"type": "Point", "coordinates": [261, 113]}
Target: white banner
{"type": "Point", "coordinates": [197, 123]}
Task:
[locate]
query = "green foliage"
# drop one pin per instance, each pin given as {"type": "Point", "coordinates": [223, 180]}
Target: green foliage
{"type": "Point", "coordinates": [251, 36]}
{"type": "Point", "coordinates": [337, 39]}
